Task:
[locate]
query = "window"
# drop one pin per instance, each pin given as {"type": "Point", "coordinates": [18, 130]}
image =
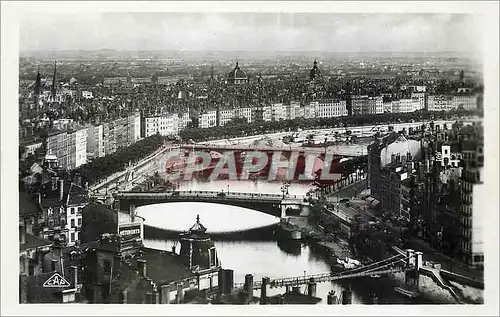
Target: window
{"type": "Point", "coordinates": [72, 210]}
{"type": "Point", "coordinates": [79, 222]}
{"type": "Point", "coordinates": [72, 223]}
{"type": "Point", "coordinates": [72, 237]}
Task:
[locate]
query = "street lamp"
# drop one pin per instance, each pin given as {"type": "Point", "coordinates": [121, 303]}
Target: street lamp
{"type": "Point", "coordinates": [228, 188]}
{"type": "Point", "coordinates": [284, 188]}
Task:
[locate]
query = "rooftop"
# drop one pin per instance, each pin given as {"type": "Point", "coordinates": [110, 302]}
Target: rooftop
{"type": "Point", "coordinates": [33, 242]}
{"type": "Point", "coordinates": [165, 267]}
{"type": "Point", "coordinates": [237, 73]}
{"type": "Point", "coordinates": [39, 294]}
{"type": "Point", "coordinates": [28, 204]}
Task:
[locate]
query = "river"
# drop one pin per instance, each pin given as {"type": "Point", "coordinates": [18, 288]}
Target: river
{"type": "Point", "coordinates": [260, 256]}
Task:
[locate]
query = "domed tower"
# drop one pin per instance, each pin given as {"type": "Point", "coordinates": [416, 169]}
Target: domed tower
{"type": "Point", "coordinates": [237, 76]}
{"type": "Point", "coordinates": [50, 160]}
{"type": "Point", "coordinates": [314, 72]}
{"type": "Point", "coordinates": [197, 249]}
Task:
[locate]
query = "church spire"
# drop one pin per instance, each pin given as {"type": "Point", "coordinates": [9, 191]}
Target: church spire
{"type": "Point", "coordinates": [53, 90]}
{"type": "Point", "coordinates": [38, 83]}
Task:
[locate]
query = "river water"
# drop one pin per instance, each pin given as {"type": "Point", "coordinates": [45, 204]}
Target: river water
{"type": "Point", "coordinates": [260, 256]}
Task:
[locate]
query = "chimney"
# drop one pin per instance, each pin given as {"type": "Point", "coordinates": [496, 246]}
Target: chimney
{"type": "Point", "coordinates": [61, 189]}
{"type": "Point", "coordinates": [22, 233]}
{"type": "Point", "coordinates": [73, 275]}
{"type": "Point", "coordinates": [141, 267]}
{"type": "Point", "coordinates": [132, 213]}
{"type": "Point", "coordinates": [393, 158]}
{"type": "Point", "coordinates": [39, 198]}
{"type": "Point", "coordinates": [173, 249]}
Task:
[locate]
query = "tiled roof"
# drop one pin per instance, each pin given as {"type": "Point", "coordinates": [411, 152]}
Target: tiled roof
{"type": "Point", "coordinates": [165, 267]}
{"type": "Point", "coordinates": [76, 194]}
{"type": "Point", "coordinates": [51, 203]}
{"type": "Point", "coordinates": [33, 242]}
{"type": "Point", "coordinates": [28, 204]}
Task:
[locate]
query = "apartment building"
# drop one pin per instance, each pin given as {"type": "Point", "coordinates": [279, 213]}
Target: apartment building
{"type": "Point", "coordinates": [278, 112]}
{"type": "Point", "coordinates": [70, 147]}
{"type": "Point", "coordinates": [208, 119]}
{"type": "Point", "coordinates": [225, 115]}
{"type": "Point", "coordinates": [293, 110]}
{"type": "Point", "coordinates": [408, 105]}
{"type": "Point", "coordinates": [244, 113]}
{"type": "Point", "coordinates": [467, 102]}
{"type": "Point", "coordinates": [474, 198]}
{"type": "Point", "coordinates": [439, 103]}
{"type": "Point", "coordinates": [164, 125]}
{"type": "Point", "coordinates": [420, 96]}
{"type": "Point", "coordinates": [330, 108]}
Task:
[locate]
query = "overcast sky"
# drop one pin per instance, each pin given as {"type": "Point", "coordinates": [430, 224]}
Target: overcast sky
{"type": "Point", "coordinates": [253, 32]}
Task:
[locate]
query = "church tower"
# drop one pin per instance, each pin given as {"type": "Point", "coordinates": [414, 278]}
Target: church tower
{"type": "Point", "coordinates": [314, 73]}
{"type": "Point", "coordinates": [38, 83]}
{"type": "Point", "coordinates": [53, 89]}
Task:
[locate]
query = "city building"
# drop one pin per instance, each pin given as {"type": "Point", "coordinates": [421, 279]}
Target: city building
{"type": "Point", "coordinates": [308, 111]}
{"type": "Point", "coordinates": [314, 73]}
{"type": "Point", "coordinates": [292, 110]}
{"type": "Point", "coordinates": [365, 105]}
{"type": "Point", "coordinates": [199, 252]}
{"type": "Point", "coordinates": [140, 80]}
{"type": "Point", "coordinates": [163, 125]}
{"type": "Point", "coordinates": [440, 103]}
{"type": "Point", "coordinates": [225, 115]}
{"type": "Point", "coordinates": [386, 159]}
{"type": "Point", "coordinates": [359, 105]}
{"type": "Point", "coordinates": [474, 197]}
{"type": "Point", "coordinates": [111, 81]}
{"type": "Point", "coordinates": [409, 105]}
{"type": "Point", "coordinates": [237, 76]}
{"type": "Point", "coordinates": [87, 94]}
{"type": "Point", "coordinates": [278, 112]}
{"type": "Point", "coordinates": [70, 147]}
{"type": "Point", "coordinates": [465, 101]}
{"type": "Point", "coordinates": [330, 108]}
{"type": "Point", "coordinates": [375, 105]}
{"type": "Point", "coordinates": [421, 99]}
{"type": "Point", "coordinates": [244, 113]}
{"type": "Point", "coordinates": [387, 107]}
{"type": "Point", "coordinates": [120, 269]}
{"type": "Point", "coordinates": [208, 119]}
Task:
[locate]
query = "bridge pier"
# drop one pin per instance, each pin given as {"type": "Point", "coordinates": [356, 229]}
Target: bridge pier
{"type": "Point", "coordinates": [132, 212]}
{"type": "Point", "coordinates": [414, 263]}
{"type": "Point", "coordinates": [249, 286]}
{"type": "Point", "coordinates": [311, 288]}
{"type": "Point", "coordinates": [283, 211]}
{"type": "Point", "coordinates": [264, 289]}
{"type": "Point", "coordinates": [410, 254]}
{"type": "Point", "coordinates": [287, 289]}
{"type": "Point", "coordinates": [332, 299]}
{"type": "Point", "coordinates": [346, 297]}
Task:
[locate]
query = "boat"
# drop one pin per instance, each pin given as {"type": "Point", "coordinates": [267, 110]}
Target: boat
{"type": "Point", "coordinates": [286, 231]}
{"type": "Point", "coordinates": [375, 276]}
{"type": "Point", "coordinates": [406, 292]}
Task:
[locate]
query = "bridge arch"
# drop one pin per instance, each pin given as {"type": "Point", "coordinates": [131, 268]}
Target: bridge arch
{"type": "Point", "coordinates": [270, 204]}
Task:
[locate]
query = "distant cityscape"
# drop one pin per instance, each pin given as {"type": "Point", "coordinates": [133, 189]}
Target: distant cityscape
{"type": "Point", "coordinates": [113, 103]}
